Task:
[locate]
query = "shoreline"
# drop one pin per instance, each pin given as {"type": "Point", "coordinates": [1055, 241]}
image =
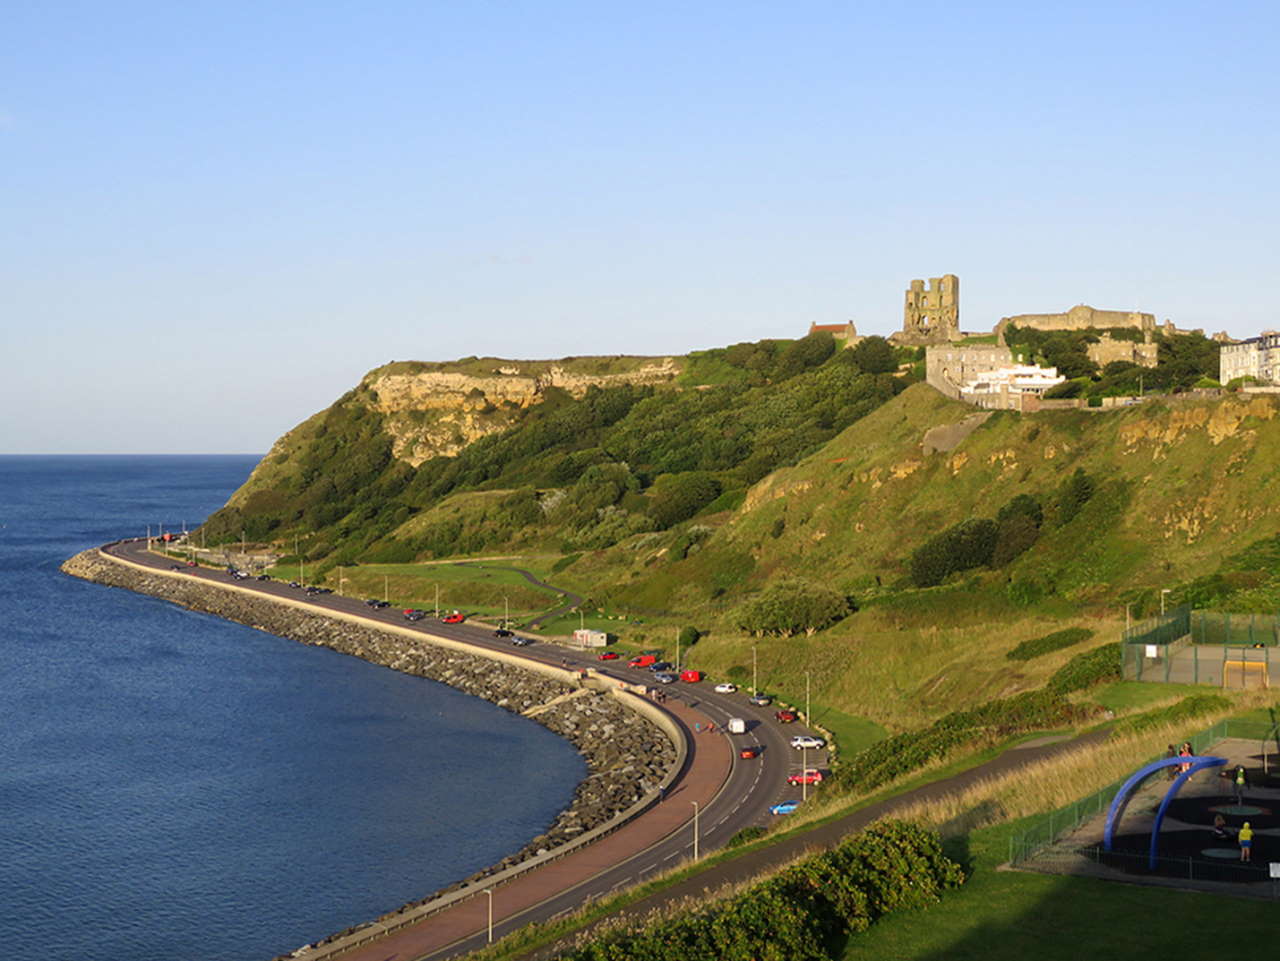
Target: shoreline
{"type": "Point", "coordinates": [628, 756]}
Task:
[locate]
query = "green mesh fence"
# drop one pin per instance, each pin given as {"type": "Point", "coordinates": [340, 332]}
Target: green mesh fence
{"type": "Point", "coordinates": [1164, 629]}
{"type": "Point", "coordinates": [1244, 630]}
{"type": "Point", "coordinates": [1048, 828]}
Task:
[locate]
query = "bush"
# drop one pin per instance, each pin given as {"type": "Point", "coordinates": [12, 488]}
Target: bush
{"type": "Point", "coordinates": [746, 836]}
{"type": "Point", "coordinates": [1189, 708]}
{"type": "Point", "coordinates": [1087, 670]}
{"type": "Point", "coordinates": [791, 607]}
{"type": "Point", "coordinates": [677, 497]}
{"type": "Point", "coordinates": [1049, 643]}
{"type": "Point", "coordinates": [874, 355]}
{"type": "Point", "coordinates": [967, 545]}
{"type": "Point", "coordinates": [800, 913]}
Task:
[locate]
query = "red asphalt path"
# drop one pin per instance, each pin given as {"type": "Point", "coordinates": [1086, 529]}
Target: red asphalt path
{"type": "Point", "coordinates": [710, 759]}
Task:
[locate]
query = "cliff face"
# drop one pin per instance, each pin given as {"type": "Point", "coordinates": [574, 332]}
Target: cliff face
{"type": "Point", "coordinates": [432, 413]}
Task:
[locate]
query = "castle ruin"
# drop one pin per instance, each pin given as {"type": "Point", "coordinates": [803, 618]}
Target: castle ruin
{"type": "Point", "coordinates": [932, 315]}
{"type": "Point", "coordinates": [1079, 317]}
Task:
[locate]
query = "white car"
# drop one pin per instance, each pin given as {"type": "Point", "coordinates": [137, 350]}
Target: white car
{"type": "Point", "coordinates": [726, 688]}
{"type": "Point", "coordinates": [801, 741]}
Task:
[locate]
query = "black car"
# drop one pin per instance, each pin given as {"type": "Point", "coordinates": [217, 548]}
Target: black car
{"type": "Point", "coordinates": [382, 604]}
{"type": "Point", "coordinates": [294, 584]}
{"type": "Point", "coordinates": [502, 632]}
{"type": "Point", "coordinates": [372, 602]}
{"type": "Point", "coordinates": [660, 666]}
{"type": "Point", "coordinates": [414, 615]}
{"type": "Point", "coordinates": [264, 577]}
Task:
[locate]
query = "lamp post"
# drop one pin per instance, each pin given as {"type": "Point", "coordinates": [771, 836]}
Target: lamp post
{"type": "Point", "coordinates": [489, 891]}
{"type": "Point", "coordinates": [754, 688]}
{"type": "Point", "coordinates": [695, 829]}
{"type": "Point", "coordinates": [386, 588]}
{"type": "Point", "coordinates": [437, 602]}
{"type": "Point", "coordinates": [506, 612]}
{"type": "Point", "coordinates": [1163, 592]}
{"type": "Point", "coordinates": [677, 650]}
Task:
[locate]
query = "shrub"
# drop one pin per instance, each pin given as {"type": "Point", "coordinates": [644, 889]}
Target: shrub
{"type": "Point", "coordinates": [800, 912]}
{"type": "Point", "coordinates": [967, 545]}
{"type": "Point", "coordinates": [1189, 708]}
{"type": "Point", "coordinates": [1049, 643]}
{"type": "Point", "coordinates": [791, 607]}
{"type": "Point", "coordinates": [874, 355]}
{"type": "Point", "coordinates": [677, 497]}
{"type": "Point", "coordinates": [1086, 670]}
{"type": "Point", "coordinates": [746, 835]}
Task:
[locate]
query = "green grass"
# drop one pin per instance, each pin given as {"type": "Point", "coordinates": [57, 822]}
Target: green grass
{"type": "Point", "coordinates": [1015, 916]}
{"type": "Point", "coordinates": [852, 733]}
{"type": "Point", "coordinates": [1124, 697]}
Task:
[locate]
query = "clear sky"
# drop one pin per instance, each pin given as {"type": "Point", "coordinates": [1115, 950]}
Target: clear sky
{"type": "Point", "coordinates": [217, 216]}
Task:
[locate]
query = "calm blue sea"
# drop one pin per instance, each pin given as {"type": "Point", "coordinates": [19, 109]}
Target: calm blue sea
{"type": "Point", "coordinates": [178, 788]}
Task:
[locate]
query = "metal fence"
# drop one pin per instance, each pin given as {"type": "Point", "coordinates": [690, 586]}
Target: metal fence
{"type": "Point", "coordinates": [1241, 630]}
{"type": "Point", "coordinates": [1202, 647]}
{"type": "Point", "coordinates": [1048, 828]}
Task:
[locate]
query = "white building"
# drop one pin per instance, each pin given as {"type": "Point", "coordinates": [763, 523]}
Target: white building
{"type": "Point", "coordinates": [1014, 379]}
{"type": "Point", "coordinates": [1257, 357]}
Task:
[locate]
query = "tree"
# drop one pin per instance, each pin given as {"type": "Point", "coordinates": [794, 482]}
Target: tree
{"type": "Point", "coordinates": [874, 355]}
{"type": "Point", "coordinates": [677, 497]}
{"type": "Point", "coordinates": [962, 547]}
{"type": "Point", "coordinates": [791, 607]}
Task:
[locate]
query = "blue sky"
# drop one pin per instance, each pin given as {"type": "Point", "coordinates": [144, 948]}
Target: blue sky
{"type": "Point", "coordinates": [218, 216]}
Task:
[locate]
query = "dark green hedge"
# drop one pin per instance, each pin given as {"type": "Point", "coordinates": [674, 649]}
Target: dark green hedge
{"type": "Point", "coordinates": [1085, 670]}
{"type": "Point", "coordinates": [1049, 643]}
{"type": "Point", "coordinates": [912, 750]}
{"type": "Point", "coordinates": [800, 913]}
{"type": "Point", "coordinates": [1189, 708]}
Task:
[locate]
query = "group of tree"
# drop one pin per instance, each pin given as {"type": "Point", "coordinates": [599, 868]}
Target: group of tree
{"type": "Point", "coordinates": [995, 543]}
{"type": "Point", "coordinates": [584, 473]}
{"type": "Point", "coordinates": [792, 607]}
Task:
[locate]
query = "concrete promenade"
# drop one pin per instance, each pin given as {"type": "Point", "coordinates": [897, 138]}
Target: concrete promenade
{"type": "Point", "coordinates": [710, 759]}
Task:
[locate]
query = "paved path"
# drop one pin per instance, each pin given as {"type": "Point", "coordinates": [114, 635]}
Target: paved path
{"type": "Point", "coordinates": [463, 926]}
{"type": "Point", "coordinates": [828, 835]}
{"type": "Point", "coordinates": [572, 600]}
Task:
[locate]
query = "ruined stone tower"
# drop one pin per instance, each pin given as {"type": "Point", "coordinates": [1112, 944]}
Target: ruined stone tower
{"type": "Point", "coordinates": [932, 316]}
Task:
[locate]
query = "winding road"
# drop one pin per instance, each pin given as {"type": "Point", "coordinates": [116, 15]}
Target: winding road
{"type": "Point", "coordinates": [717, 791]}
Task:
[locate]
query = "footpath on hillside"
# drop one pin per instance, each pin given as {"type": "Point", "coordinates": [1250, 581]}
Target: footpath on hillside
{"type": "Point", "coordinates": [825, 836]}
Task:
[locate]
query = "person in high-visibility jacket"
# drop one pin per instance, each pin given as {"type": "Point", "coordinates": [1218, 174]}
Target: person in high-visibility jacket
{"type": "Point", "coordinates": [1240, 784]}
{"type": "Point", "coordinates": [1246, 841]}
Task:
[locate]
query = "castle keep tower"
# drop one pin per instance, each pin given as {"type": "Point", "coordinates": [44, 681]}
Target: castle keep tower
{"type": "Point", "coordinates": [932, 316]}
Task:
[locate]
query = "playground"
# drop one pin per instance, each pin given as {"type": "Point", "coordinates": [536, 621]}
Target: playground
{"type": "Point", "coordinates": [1198, 842]}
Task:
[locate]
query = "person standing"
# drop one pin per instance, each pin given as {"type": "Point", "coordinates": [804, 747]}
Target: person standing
{"type": "Point", "coordinates": [1185, 752]}
{"type": "Point", "coordinates": [1246, 841]}
{"type": "Point", "coordinates": [1240, 784]}
{"type": "Point", "coordinates": [1171, 770]}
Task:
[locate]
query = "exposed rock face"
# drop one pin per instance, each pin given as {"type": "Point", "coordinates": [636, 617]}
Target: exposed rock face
{"type": "Point", "coordinates": [434, 413]}
{"type": "Point", "coordinates": [626, 755]}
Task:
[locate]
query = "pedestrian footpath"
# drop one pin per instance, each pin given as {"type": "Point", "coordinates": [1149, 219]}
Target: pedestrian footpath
{"type": "Point", "coordinates": [706, 770]}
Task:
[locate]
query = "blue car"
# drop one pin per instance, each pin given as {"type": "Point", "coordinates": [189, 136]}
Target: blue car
{"type": "Point", "coordinates": [785, 807]}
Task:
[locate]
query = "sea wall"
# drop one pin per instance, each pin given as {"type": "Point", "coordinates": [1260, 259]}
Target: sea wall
{"type": "Point", "coordinates": [628, 755]}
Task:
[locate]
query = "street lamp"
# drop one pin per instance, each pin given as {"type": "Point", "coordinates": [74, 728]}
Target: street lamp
{"type": "Point", "coordinates": [1163, 592]}
{"type": "Point", "coordinates": [804, 770]}
{"type": "Point", "coordinates": [754, 688]}
{"type": "Point", "coordinates": [489, 891]}
{"type": "Point", "coordinates": [506, 612]}
{"type": "Point", "coordinates": [695, 829]}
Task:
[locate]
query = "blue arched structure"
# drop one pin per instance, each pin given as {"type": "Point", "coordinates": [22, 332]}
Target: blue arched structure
{"type": "Point", "coordinates": [1121, 800]}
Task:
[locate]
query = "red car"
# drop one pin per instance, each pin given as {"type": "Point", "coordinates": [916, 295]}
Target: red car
{"type": "Point", "coordinates": [607, 656]}
{"type": "Point", "coordinates": [749, 752]}
{"type": "Point", "coordinates": [806, 777]}
{"type": "Point", "coordinates": [454, 618]}
{"type": "Point", "coordinates": [786, 717]}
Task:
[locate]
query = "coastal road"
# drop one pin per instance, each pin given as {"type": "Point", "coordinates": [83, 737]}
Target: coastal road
{"type": "Point", "coordinates": [653, 843]}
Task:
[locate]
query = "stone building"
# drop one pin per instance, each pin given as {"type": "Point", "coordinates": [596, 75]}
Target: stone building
{"type": "Point", "coordinates": [846, 331]}
{"type": "Point", "coordinates": [1079, 317]}
{"type": "Point", "coordinates": [931, 315]}
{"type": "Point", "coordinates": [1257, 357]}
{"type": "Point", "coordinates": [1108, 349]}
{"type": "Point", "coordinates": [986, 376]}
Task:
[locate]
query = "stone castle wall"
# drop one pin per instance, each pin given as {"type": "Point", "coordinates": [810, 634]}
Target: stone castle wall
{"type": "Point", "coordinates": [1079, 317]}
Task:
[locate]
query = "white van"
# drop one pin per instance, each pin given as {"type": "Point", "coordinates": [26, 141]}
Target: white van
{"type": "Point", "coordinates": [737, 725]}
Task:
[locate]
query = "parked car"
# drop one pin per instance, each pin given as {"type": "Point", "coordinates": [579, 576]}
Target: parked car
{"type": "Point", "coordinates": [381, 604]}
{"type": "Point", "coordinates": [691, 677]}
{"type": "Point", "coordinates": [454, 618]}
{"type": "Point", "coordinates": [502, 632]}
{"type": "Point", "coordinates": [294, 584]}
{"type": "Point", "coordinates": [784, 716]}
{"type": "Point", "coordinates": [264, 577]}
{"type": "Point", "coordinates": [662, 677]}
{"type": "Point", "coordinates": [521, 641]}
{"type": "Point", "coordinates": [802, 741]}
{"type": "Point", "coordinates": [414, 615]}
{"type": "Point", "coordinates": [749, 752]}
{"type": "Point", "coordinates": [761, 700]}
{"type": "Point", "coordinates": [642, 660]}
{"type": "Point", "coordinates": [371, 601]}
{"type": "Point", "coordinates": [810, 776]}
{"type": "Point", "coordinates": [607, 656]}
{"type": "Point", "coordinates": [726, 688]}
{"type": "Point", "coordinates": [785, 807]}
{"type": "Point", "coordinates": [660, 666]}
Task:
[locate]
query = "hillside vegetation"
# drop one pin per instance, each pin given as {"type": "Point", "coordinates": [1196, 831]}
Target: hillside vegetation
{"type": "Point", "coordinates": [777, 496]}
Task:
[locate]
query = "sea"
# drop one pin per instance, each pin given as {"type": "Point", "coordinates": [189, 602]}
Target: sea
{"type": "Point", "coordinates": [174, 787]}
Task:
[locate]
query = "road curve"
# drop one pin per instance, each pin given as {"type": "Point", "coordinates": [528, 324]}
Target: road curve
{"type": "Point", "coordinates": [730, 793]}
